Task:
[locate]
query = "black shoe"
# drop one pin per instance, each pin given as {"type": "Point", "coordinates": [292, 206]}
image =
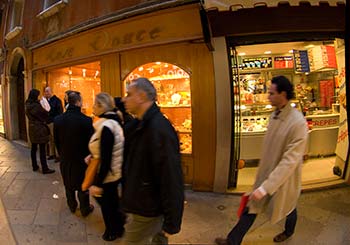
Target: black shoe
{"type": "Point", "coordinates": [48, 171]}
{"type": "Point", "coordinates": [35, 168]}
{"type": "Point", "coordinates": [73, 209]}
{"type": "Point", "coordinates": [221, 241]}
{"type": "Point", "coordinates": [91, 208]}
{"type": "Point", "coordinates": [281, 237]}
{"type": "Point", "coordinates": [51, 157]}
{"type": "Point", "coordinates": [109, 237]}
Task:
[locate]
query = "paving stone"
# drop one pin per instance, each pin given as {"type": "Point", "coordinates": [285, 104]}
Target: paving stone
{"type": "Point", "coordinates": [22, 217]}
{"type": "Point", "coordinates": [32, 194]}
{"type": "Point", "coordinates": [6, 179]}
{"type": "Point", "coordinates": [16, 188]}
{"type": "Point", "coordinates": [48, 212]}
{"type": "Point", "coordinates": [2, 170]}
{"type": "Point", "coordinates": [35, 234]}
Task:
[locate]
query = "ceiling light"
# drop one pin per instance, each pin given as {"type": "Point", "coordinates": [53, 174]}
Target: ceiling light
{"type": "Point", "coordinates": [241, 54]}
{"type": "Point", "coordinates": [267, 52]}
{"type": "Point", "coordinates": [290, 51]}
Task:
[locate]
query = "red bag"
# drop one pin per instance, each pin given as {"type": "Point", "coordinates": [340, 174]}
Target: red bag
{"type": "Point", "coordinates": [242, 204]}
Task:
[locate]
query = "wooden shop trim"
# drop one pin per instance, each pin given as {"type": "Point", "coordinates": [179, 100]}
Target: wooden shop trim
{"type": "Point", "coordinates": [255, 21]}
{"type": "Point", "coordinates": [161, 27]}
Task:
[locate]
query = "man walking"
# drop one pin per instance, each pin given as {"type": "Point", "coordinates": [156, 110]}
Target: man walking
{"type": "Point", "coordinates": [278, 182]}
{"type": "Point", "coordinates": [55, 110]}
{"type": "Point", "coordinates": [153, 191]}
{"type": "Point", "coordinates": [72, 131]}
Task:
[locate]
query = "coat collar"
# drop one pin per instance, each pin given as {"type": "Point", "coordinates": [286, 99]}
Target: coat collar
{"type": "Point", "coordinates": [73, 108]}
{"type": "Point", "coordinates": [282, 113]}
{"type": "Point", "coordinates": [154, 109]}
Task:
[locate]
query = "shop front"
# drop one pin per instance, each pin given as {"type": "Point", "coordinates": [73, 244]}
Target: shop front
{"type": "Point", "coordinates": [312, 55]}
{"type": "Point", "coordinates": [171, 54]}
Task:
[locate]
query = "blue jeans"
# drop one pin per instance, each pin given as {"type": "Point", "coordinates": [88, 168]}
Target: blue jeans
{"type": "Point", "coordinates": [236, 235]}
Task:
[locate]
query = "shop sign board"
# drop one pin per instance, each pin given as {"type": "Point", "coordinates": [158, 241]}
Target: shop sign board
{"type": "Point", "coordinates": [282, 62]}
{"type": "Point", "coordinates": [322, 57]}
{"type": "Point", "coordinates": [301, 60]}
{"type": "Point", "coordinates": [342, 142]}
{"type": "Point", "coordinates": [166, 26]}
{"type": "Point", "coordinates": [256, 63]}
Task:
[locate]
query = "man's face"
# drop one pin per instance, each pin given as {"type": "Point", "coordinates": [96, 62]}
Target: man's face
{"type": "Point", "coordinates": [276, 98]}
{"type": "Point", "coordinates": [48, 93]}
{"type": "Point", "coordinates": [133, 100]}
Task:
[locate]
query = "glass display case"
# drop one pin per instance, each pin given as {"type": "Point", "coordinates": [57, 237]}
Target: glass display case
{"type": "Point", "coordinates": [173, 96]}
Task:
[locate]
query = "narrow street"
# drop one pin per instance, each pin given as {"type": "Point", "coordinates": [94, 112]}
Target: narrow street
{"type": "Point", "coordinates": [36, 209]}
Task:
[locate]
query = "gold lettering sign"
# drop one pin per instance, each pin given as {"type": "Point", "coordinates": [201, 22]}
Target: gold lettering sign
{"type": "Point", "coordinates": [182, 23]}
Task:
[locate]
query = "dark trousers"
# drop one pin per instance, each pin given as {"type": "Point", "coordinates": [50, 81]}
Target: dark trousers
{"type": "Point", "coordinates": [236, 235]}
{"type": "Point", "coordinates": [83, 197]}
{"type": "Point", "coordinates": [113, 217]}
{"type": "Point", "coordinates": [42, 152]}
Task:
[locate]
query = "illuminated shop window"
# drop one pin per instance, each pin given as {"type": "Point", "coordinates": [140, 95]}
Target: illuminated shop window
{"type": "Point", "coordinates": [84, 78]}
{"type": "Point", "coordinates": [174, 96]}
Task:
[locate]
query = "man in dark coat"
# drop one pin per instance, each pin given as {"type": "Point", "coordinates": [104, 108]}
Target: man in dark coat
{"type": "Point", "coordinates": [153, 191]}
{"type": "Point", "coordinates": [55, 110]}
{"type": "Point", "coordinates": [72, 132]}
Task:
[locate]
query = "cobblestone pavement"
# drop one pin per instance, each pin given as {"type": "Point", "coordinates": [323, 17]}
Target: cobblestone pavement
{"type": "Point", "coordinates": [36, 210]}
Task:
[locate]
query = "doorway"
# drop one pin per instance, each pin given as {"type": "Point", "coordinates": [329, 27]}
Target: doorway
{"type": "Point", "coordinates": [315, 68]}
{"type": "Point", "coordinates": [22, 131]}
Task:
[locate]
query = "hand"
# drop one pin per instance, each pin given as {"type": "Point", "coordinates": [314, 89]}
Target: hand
{"type": "Point", "coordinates": [87, 159]}
{"type": "Point", "coordinates": [166, 234]}
{"type": "Point", "coordinates": [95, 191]}
{"type": "Point", "coordinates": [257, 195]}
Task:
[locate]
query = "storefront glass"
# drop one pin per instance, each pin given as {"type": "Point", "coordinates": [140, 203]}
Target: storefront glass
{"type": "Point", "coordinates": [315, 69]}
{"type": "Point", "coordinates": [174, 96]}
{"type": "Point", "coordinates": [84, 78]}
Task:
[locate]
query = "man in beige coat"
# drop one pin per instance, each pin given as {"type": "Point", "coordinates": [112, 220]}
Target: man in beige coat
{"type": "Point", "coordinates": [278, 182]}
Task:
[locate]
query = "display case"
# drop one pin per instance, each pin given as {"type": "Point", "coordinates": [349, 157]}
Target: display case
{"type": "Point", "coordinates": [173, 97]}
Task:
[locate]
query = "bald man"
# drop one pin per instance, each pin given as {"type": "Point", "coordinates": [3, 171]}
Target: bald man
{"type": "Point", "coordinates": [55, 110]}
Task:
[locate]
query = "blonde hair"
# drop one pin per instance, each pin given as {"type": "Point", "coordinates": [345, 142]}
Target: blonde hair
{"type": "Point", "coordinates": [105, 101]}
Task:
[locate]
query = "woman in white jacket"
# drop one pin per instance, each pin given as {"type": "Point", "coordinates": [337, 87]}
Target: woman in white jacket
{"type": "Point", "coordinates": [106, 145]}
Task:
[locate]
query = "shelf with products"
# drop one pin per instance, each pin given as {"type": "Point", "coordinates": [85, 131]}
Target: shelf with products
{"type": "Point", "coordinates": [173, 87]}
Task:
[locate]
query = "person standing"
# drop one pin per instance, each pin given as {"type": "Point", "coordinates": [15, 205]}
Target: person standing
{"type": "Point", "coordinates": [153, 188]}
{"type": "Point", "coordinates": [38, 131]}
{"type": "Point", "coordinates": [106, 146]}
{"type": "Point", "coordinates": [72, 132]}
{"type": "Point", "coordinates": [55, 110]}
{"type": "Point", "coordinates": [277, 185]}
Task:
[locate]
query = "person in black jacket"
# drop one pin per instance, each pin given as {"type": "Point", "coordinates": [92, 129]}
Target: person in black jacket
{"type": "Point", "coordinates": [38, 130]}
{"type": "Point", "coordinates": [55, 110]}
{"type": "Point", "coordinates": [72, 132]}
{"type": "Point", "coordinates": [153, 190]}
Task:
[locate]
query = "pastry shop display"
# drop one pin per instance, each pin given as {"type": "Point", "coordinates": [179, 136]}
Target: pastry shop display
{"type": "Point", "coordinates": [173, 96]}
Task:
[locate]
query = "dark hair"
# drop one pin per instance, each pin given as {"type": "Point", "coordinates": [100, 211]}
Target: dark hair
{"type": "Point", "coordinates": [283, 84]}
{"type": "Point", "coordinates": [74, 97]}
{"type": "Point", "coordinates": [146, 86]}
{"type": "Point", "coordinates": [119, 104]}
{"type": "Point", "coordinates": [33, 95]}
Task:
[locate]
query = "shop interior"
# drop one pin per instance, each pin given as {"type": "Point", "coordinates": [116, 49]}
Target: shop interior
{"type": "Point", "coordinates": [84, 78]}
{"type": "Point", "coordinates": [174, 96]}
{"type": "Point", "coordinates": [171, 81]}
{"type": "Point", "coordinates": [314, 69]}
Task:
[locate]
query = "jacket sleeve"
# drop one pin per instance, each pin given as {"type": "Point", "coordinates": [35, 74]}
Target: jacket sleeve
{"type": "Point", "coordinates": [291, 158]}
{"type": "Point", "coordinates": [167, 165]}
{"type": "Point", "coordinates": [55, 136]}
{"type": "Point", "coordinates": [106, 148]}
